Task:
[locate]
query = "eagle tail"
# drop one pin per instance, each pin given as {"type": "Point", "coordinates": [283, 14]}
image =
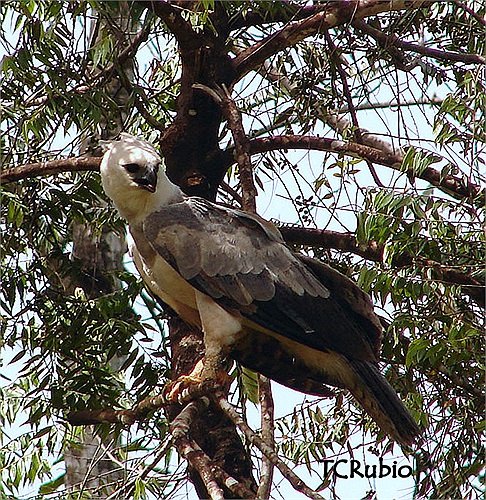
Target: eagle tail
{"type": "Point", "coordinates": [381, 402]}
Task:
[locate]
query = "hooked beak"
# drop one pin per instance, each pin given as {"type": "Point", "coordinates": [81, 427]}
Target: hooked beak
{"type": "Point", "coordinates": [147, 179]}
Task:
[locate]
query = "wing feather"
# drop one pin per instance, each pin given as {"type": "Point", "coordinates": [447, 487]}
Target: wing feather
{"type": "Point", "coordinates": [243, 264]}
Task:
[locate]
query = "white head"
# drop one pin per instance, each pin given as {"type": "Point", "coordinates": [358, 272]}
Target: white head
{"type": "Point", "coordinates": [132, 177]}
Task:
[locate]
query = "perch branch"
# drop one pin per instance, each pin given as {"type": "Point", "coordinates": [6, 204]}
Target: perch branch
{"type": "Point", "coordinates": [127, 417]}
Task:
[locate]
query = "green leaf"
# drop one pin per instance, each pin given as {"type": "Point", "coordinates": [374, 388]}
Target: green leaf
{"type": "Point", "coordinates": [52, 486]}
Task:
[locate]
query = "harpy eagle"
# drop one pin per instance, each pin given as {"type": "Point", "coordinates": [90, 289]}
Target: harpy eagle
{"type": "Point", "coordinates": [228, 272]}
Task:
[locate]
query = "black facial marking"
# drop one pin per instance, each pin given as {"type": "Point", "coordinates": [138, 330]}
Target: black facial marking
{"type": "Point", "coordinates": [132, 167]}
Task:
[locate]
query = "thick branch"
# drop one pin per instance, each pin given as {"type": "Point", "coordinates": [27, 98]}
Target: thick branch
{"type": "Point", "coordinates": [393, 41]}
{"type": "Point", "coordinates": [202, 464]}
{"type": "Point", "coordinates": [212, 475]}
{"type": "Point", "coordinates": [335, 14]}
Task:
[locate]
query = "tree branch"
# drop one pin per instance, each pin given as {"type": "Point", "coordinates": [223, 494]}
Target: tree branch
{"type": "Point", "coordinates": [99, 78]}
{"type": "Point", "coordinates": [452, 185]}
{"type": "Point", "coordinates": [139, 100]}
{"type": "Point", "coordinates": [347, 93]}
{"type": "Point", "coordinates": [291, 12]}
{"type": "Point", "coordinates": [267, 410]}
{"type": "Point", "coordinates": [471, 12]}
{"type": "Point", "coordinates": [335, 14]}
{"type": "Point", "coordinates": [127, 417]}
{"type": "Point", "coordinates": [332, 118]}
{"type": "Point", "coordinates": [393, 41]}
{"type": "Point", "coordinates": [52, 167]}
{"type": "Point", "coordinates": [187, 38]}
{"type": "Point", "coordinates": [126, 491]}
{"type": "Point", "coordinates": [374, 251]}
{"type": "Point", "coordinates": [297, 483]}
{"type": "Point", "coordinates": [345, 242]}
{"type": "Point", "coordinates": [212, 475]}
{"type": "Point", "coordinates": [393, 158]}
{"type": "Point", "coordinates": [241, 148]}
{"type": "Point", "coordinates": [202, 464]}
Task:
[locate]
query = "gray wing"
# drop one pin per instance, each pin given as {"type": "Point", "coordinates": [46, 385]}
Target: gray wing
{"type": "Point", "coordinates": [244, 265]}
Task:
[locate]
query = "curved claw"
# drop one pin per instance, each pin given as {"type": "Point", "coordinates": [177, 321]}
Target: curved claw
{"type": "Point", "coordinates": [200, 381]}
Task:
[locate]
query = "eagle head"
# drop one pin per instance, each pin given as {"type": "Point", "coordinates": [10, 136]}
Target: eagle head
{"type": "Point", "coordinates": [132, 177]}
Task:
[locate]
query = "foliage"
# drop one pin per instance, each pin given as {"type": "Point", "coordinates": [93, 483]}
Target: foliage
{"type": "Point", "coordinates": [57, 90]}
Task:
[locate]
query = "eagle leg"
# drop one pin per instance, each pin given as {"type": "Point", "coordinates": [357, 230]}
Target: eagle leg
{"type": "Point", "coordinates": [207, 374]}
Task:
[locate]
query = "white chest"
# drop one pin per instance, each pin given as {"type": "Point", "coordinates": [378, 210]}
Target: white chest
{"type": "Point", "coordinates": [219, 326]}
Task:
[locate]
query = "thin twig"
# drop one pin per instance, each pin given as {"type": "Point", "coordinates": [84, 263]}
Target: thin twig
{"type": "Point", "coordinates": [140, 100]}
{"type": "Point", "coordinates": [232, 192]}
{"type": "Point", "coordinates": [347, 94]}
{"type": "Point", "coordinates": [297, 483]}
{"type": "Point", "coordinates": [128, 488]}
{"type": "Point", "coordinates": [99, 77]}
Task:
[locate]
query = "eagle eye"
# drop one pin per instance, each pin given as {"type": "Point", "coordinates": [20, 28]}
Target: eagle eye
{"type": "Point", "coordinates": [132, 167]}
